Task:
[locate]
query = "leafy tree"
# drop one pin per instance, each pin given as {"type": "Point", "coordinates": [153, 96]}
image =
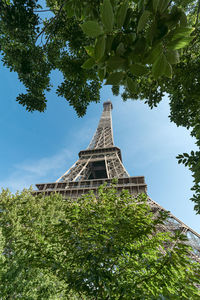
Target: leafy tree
{"type": "Point", "coordinates": [149, 47]}
{"type": "Point", "coordinates": [107, 246]}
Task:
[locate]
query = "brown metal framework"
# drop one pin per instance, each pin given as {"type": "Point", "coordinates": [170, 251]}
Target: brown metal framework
{"type": "Point", "coordinates": [100, 163]}
{"type": "Point", "coordinates": [101, 159]}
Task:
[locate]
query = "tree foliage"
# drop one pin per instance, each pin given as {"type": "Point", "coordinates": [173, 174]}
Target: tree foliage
{"type": "Point", "coordinates": [149, 47]}
{"type": "Point", "coordinates": [107, 246]}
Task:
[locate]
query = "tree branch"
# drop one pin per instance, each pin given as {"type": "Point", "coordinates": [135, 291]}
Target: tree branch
{"type": "Point", "coordinates": [166, 260]}
{"type": "Point", "coordinates": [52, 20]}
{"type": "Point", "coordinates": [43, 10]}
{"type": "Point", "coordinates": [43, 30]}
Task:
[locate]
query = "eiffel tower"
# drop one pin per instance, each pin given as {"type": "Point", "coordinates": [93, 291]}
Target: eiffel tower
{"type": "Point", "coordinates": [102, 162]}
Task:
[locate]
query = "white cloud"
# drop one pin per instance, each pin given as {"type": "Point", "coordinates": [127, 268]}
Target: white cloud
{"type": "Point", "coordinates": [30, 172]}
{"type": "Point", "coordinates": [45, 165]}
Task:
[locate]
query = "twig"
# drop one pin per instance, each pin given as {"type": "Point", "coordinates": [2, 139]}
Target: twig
{"type": "Point", "coordinates": [52, 20]}
{"type": "Point", "coordinates": [42, 31]}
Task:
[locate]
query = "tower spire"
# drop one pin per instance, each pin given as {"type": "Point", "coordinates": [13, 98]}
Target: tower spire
{"type": "Point", "coordinates": [103, 136]}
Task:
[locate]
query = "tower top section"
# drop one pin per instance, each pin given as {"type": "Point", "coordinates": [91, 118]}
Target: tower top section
{"type": "Point", "coordinates": [108, 105]}
{"type": "Point", "coordinates": [103, 137]}
{"type": "Point", "coordinates": [101, 160]}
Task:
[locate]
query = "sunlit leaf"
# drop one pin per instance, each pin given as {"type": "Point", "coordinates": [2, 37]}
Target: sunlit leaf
{"type": "Point", "coordinates": [153, 54]}
{"type": "Point", "coordinates": [172, 56]}
{"type": "Point", "coordinates": [180, 43]}
{"type": "Point", "coordinates": [182, 32]}
{"type": "Point", "coordinates": [168, 70]}
{"type": "Point", "coordinates": [90, 50]}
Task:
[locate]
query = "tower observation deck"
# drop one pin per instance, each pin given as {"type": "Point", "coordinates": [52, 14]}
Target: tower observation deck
{"type": "Point", "coordinates": [102, 162]}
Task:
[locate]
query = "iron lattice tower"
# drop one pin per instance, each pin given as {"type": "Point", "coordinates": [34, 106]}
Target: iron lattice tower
{"type": "Point", "coordinates": [100, 163]}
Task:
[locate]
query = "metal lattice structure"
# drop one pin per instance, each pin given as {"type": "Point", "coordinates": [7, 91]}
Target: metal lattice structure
{"type": "Point", "coordinates": [101, 159]}
{"type": "Point", "coordinates": [101, 162]}
{"type": "Point", "coordinates": [103, 136]}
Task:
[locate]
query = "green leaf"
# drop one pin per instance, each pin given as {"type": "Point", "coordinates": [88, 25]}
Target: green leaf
{"type": "Point", "coordinates": [101, 74]}
{"type": "Point", "coordinates": [69, 10]}
{"type": "Point", "coordinates": [116, 62]}
{"type": "Point", "coordinates": [159, 66]}
{"type": "Point", "coordinates": [140, 5]}
{"type": "Point", "coordinates": [186, 154]}
{"type": "Point", "coordinates": [92, 28]}
{"type": "Point", "coordinates": [109, 41]}
{"type": "Point", "coordinates": [183, 19]}
{"type": "Point", "coordinates": [182, 32]}
{"type": "Point", "coordinates": [115, 78]}
{"type": "Point", "coordinates": [121, 14]}
{"type": "Point", "coordinates": [88, 64]}
{"type": "Point", "coordinates": [133, 58]}
{"type": "Point", "coordinates": [153, 54]}
{"type": "Point", "coordinates": [100, 47]}
{"type": "Point", "coordinates": [120, 49]}
{"type": "Point", "coordinates": [155, 4]}
{"type": "Point", "coordinates": [152, 32]}
{"type": "Point", "coordinates": [172, 56]}
{"type": "Point", "coordinates": [107, 15]}
{"type": "Point", "coordinates": [139, 46]}
{"type": "Point", "coordinates": [101, 61]}
{"type": "Point", "coordinates": [90, 50]}
{"type": "Point", "coordinates": [138, 70]}
{"type": "Point", "coordinates": [168, 70]}
{"type": "Point", "coordinates": [180, 43]}
{"type": "Point", "coordinates": [132, 85]}
{"type": "Point", "coordinates": [143, 20]}
{"type": "Point", "coordinates": [162, 5]}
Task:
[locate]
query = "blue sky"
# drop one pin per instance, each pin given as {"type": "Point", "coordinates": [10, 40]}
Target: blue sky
{"type": "Point", "coordinates": [39, 147]}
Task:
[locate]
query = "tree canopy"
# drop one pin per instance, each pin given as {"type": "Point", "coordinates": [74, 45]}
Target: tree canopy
{"type": "Point", "coordinates": [149, 47]}
{"type": "Point", "coordinates": [107, 246]}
